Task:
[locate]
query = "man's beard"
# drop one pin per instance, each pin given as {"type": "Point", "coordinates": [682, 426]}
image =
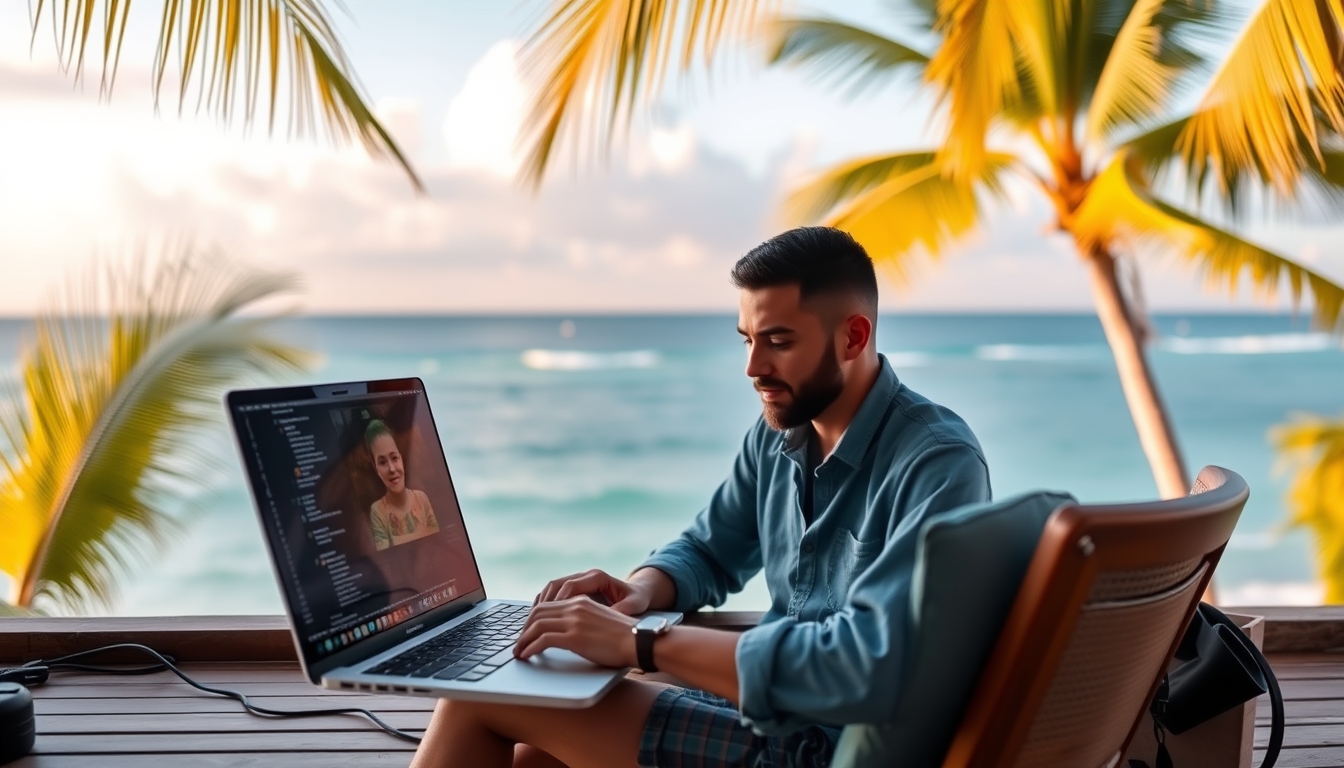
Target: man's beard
{"type": "Point", "coordinates": [810, 399]}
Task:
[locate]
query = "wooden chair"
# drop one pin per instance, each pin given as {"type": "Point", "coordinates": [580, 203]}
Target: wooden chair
{"type": "Point", "coordinates": [1101, 610]}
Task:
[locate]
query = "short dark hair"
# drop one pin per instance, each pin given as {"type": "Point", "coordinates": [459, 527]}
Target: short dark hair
{"type": "Point", "coordinates": [819, 260]}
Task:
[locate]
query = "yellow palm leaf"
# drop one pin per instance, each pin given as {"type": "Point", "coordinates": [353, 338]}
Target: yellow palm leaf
{"type": "Point", "coordinates": [989, 47]}
{"type": "Point", "coordinates": [1136, 78]}
{"type": "Point", "coordinates": [1263, 111]}
{"type": "Point", "coordinates": [1315, 447]}
{"type": "Point", "coordinates": [233, 54]}
{"type": "Point", "coordinates": [896, 205]}
{"type": "Point", "coordinates": [107, 414]}
{"type": "Point", "coordinates": [1319, 184]}
{"type": "Point", "coordinates": [594, 60]}
{"type": "Point", "coordinates": [1120, 210]}
{"type": "Point", "coordinates": [846, 52]}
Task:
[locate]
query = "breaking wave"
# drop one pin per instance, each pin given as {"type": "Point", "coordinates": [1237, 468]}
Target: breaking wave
{"type": "Point", "coordinates": [570, 360]}
{"type": "Point", "coordinates": [1267, 344]}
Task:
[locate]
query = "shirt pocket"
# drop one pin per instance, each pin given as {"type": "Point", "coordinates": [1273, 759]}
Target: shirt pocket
{"type": "Point", "coordinates": [849, 558]}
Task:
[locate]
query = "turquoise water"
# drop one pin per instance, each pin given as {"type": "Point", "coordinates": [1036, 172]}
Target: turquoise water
{"type": "Point", "coordinates": [586, 441]}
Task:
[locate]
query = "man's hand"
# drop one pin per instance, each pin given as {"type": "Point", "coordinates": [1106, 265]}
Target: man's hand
{"type": "Point", "coordinates": [599, 634]}
{"type": "Point", "coordinates": [629, 598]}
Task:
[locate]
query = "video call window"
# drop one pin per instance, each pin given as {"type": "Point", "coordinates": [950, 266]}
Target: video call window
{"type": "Point", "coordinates": [382, 474]}
{"type": "Point", "coordinates": [366, 531]}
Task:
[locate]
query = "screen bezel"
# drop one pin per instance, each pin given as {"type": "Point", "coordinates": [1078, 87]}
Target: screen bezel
{"type": "Point", "coordinates": [360, 650]}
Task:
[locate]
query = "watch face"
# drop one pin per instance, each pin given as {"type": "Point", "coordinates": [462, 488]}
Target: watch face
{"type": "Point", "coordinates": [651, 624]}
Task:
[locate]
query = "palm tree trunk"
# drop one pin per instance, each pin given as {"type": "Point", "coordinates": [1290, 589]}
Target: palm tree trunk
{"type": "Point", "coordinates": [1136, 379]}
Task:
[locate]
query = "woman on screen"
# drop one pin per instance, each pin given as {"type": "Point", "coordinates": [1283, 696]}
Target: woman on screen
{"type": "Point", "coordinates": [402, 514]}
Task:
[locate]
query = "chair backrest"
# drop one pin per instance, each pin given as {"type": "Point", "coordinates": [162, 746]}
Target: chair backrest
{"type": "Point", "coordinates": [1100, 612]}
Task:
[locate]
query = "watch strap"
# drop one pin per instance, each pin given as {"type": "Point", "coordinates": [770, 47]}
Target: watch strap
{"type": "Point", "coordinates": [644, 650]}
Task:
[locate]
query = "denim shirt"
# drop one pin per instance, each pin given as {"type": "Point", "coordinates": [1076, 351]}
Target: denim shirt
{"type": "Point", "coordinates": [831, 647]}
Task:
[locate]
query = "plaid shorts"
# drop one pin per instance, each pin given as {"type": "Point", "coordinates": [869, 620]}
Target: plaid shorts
{"type": "Point", "coordinates": [694, 729]}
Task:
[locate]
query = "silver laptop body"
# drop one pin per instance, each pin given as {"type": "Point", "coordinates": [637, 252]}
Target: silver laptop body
{"type": "Point", "coordinates": [366, 537]}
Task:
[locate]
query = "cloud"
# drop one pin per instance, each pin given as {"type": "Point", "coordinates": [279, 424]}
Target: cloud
{"type": "Point", "coordinates": [659, 235]}
{"type": "Point", "coordinates": [656, 230]}
{"type": "Point", "coordinates": [481, 127]}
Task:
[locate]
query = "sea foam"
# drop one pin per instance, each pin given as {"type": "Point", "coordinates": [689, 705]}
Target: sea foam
{"type": "Point", "coordinates": [571, 360]}
{"type": "Point", "coordinates": [1265, 344]}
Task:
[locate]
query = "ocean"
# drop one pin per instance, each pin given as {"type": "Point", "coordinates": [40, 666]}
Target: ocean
{"type": "Point", "coordinates": [580, 442]}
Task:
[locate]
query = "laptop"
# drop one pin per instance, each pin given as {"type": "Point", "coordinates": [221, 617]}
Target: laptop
{"type": "Point", "coordinates": [375, 566]}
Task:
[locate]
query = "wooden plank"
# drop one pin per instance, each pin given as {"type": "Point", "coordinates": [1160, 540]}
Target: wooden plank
{"type": "Point", "coordinates": [168, 705]}
{"type": "Point", "coordinates": [1306, 757]}
{"type": "Point", "coordinates": [1312, 629]}
{"type": "Point", "coordinates": [78, 690]}
{"type": "Point", "coordinates": [218, 760]}
{"type": "Point", "coordinates": [203, 722]}
{"type": "Point", "coordinates": [1304, 735]}
{"type": "Point", "coordinates": [187, 638]}
{"type": "Point", "coordinates": [1311, 689]}
{"type": "Point", "coordinates": [222, 673]}
{"type": "Point", "coordinates": [113, 744]}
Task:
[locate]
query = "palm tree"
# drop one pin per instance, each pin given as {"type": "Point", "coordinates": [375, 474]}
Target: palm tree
{"type": "Point", "coordinates": [1315, 446]}
{"type": "Point", "coordinates": [105, 418]}
{"type": "Point", "coordinates": [1074, 98]}
{"type": "Point", "coordinates": [122, 377]}
{"type": "Point", "coordinates": [235, 58]}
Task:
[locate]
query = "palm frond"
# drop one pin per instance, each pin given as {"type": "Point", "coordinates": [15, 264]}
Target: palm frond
{"type": "Point", "coordinates": [1143, 64]}
{"type": "Point", "coordinates": [1119, 209]}
{"type": "Point", "coordinates": [893, 204]}
{"type": "Point", "coordinates": [1314, 446]}
{"type": "Point", "coordinates": [114, 392]}
{"type": "Point", "coordinates": [849, 54]}
{"type": "Point", "coordinates": [237, 57]}
{"type": "Point", "coordinates": [989, 48]}
{"type": "Point", "coordinates": [1263, 113]}
{"type": "Point", "coordinates": [593, 61]}
{"type": "Point", "coordinates": [1319, 187]}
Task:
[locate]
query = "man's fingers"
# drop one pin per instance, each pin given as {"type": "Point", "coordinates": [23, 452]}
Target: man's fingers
{"type": "Point", "coordinates": [547, 640]}
{"type": "Point", "coordinates": [537, 626]}
{"type": "Point", "coordinates": [629, 606]}
{"type": "Point", "coordinates": [588, 583]}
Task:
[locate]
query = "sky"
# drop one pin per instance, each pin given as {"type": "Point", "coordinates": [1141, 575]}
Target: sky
{"type": "Point", "coordinates": [86, 180]}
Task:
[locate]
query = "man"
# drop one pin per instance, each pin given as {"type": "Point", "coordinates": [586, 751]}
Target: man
{"type": "Point", "coordinates": [827, 497]}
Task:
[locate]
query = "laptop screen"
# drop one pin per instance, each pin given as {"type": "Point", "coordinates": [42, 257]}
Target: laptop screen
{"type": "Point", "coordinates": [359, 510]}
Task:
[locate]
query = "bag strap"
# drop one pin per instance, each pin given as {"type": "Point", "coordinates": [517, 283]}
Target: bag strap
{"type": "Point", "coordinates": [1277, 716]}
{"type": "Point", "coordinates": [1212, 615]}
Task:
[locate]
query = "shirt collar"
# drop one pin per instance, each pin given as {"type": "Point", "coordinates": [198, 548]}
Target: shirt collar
{"type": "Point", "coordinates": [859, 434]}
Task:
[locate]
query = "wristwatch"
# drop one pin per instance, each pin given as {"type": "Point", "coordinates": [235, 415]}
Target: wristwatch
{"type": "Point", "coordinates": [648, 629]}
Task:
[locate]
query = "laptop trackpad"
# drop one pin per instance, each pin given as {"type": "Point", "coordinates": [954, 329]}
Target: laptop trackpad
{"type": "Point", "coordinates": [560, 660]}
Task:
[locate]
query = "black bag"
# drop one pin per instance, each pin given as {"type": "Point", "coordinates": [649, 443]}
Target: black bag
{"type": "Point", "coordinates": [1220, 669]}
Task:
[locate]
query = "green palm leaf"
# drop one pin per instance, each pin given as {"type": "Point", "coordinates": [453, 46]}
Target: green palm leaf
{"type": "Point", "coordinates": [107, 415]}
{"type": "Point", "coordinates": [233, 55]}
{"type": "Point", "coordinates": [1263, 113]}
{"type": "Point", "coordinates": [1315, 446]}
{"type": "Point", "coordinates": [1119, 208]}
{"type": "Point", "coordinates": [594, 60]}
{"type": "Point", "coordinates": [894, 203]}
{"type": "Point", "coordinates": [848, 53]}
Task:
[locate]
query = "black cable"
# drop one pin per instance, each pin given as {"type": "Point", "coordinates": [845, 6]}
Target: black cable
{"type": "Point", "coordinates": [166, 663]}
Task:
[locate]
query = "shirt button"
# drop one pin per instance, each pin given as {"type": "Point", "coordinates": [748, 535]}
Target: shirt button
{"type": "Point", "coordinates": [807, 547]}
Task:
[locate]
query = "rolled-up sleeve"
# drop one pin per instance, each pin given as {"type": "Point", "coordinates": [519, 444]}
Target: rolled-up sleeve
{"type": "Point", "coordinates": [847, 667]}
{"type": "Point", "coordinates": [716, 555]}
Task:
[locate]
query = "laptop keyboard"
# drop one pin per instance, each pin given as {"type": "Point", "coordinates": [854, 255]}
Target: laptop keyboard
{"type": "Point", "coordinates": [467, 653]}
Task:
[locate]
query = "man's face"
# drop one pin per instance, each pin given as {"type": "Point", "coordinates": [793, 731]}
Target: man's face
{"type": "Point", "coordinates": [791, 356]}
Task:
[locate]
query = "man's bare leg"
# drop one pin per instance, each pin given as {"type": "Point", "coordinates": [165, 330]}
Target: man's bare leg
{"type": "Point", "coordinates": [531, 757]}
{"type": "Point", "coordinates": [604, 735]}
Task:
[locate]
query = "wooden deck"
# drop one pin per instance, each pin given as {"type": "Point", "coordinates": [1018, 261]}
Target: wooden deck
{"type": "Point", "coordinates": [96, 721]}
